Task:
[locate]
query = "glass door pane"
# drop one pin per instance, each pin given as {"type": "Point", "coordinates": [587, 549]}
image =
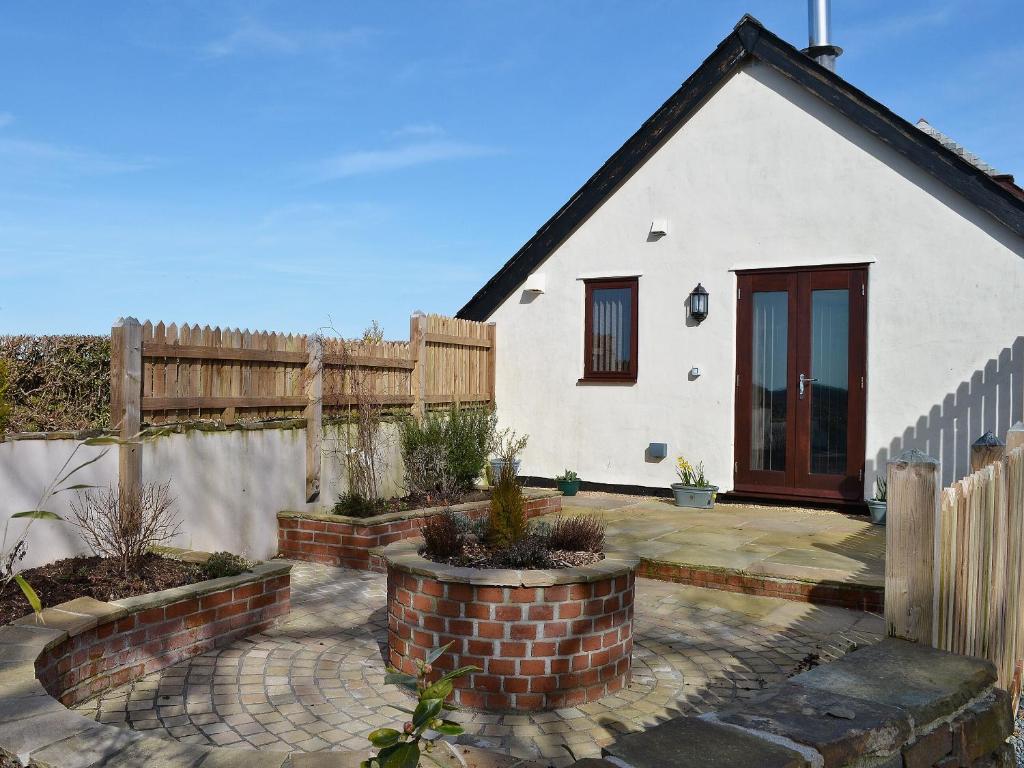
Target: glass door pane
{"type": "Point", "coordinates": [769, 380]}
{"type": "Point", "coordinates": [830, 393]}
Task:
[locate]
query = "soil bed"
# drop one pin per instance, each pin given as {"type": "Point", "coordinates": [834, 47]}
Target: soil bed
{"type": "Point", "coordinates": [95, 577]}
{"type": "Point", "coordinates": [479, 556]}
{"type": "Point", "coordinates": [364, 508]}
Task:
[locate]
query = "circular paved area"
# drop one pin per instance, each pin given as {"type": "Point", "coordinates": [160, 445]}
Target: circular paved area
{"type": "Point", "coordinates": [316, 681]}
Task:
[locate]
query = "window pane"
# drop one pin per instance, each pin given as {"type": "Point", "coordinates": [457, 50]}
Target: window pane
{"type": "Point", "coordinates": [769, 381]}
{"type": "Point", "coordinates": [830, 395]}
{"type": "Point", "coordinates": [612, 315]}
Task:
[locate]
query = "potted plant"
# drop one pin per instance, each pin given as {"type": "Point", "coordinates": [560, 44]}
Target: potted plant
{"type": "Point", "coordinates": [693, 489]}
{"type": "Point", "coordinates": [878, 505]}
{"type": "Point", "coordinates": [508, 446]}
{"type": "Point", "coordinates": [568, 483]}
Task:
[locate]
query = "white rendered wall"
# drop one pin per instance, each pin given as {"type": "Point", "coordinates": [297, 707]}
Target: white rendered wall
{"type": "Point", "coordinates": [766, 175]}
{"type": "Point", "coordinates": [228, 486]}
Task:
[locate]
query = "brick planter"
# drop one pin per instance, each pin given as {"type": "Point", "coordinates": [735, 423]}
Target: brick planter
{"type": "Point", "coordinates": [544, 639]}
{"type": "Point", "coordinates": [347, 541]}
{"type": "Point", "coordinates": [101, 645]}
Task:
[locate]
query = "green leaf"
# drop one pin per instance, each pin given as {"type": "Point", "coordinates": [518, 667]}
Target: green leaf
{"type": "Point", "coordinates": [38, 514]}
{"type": "Point", "coordinates": [76, 487]}
{"type": "Point", "coordinates": [439, 690]}
{"type": "Point", "coordinates": [426, 711]}
{"type": "Point", "coordinates": [459, 673]}
{"type": "Point", "coordinates": [104, 440]}
{"type": "Point", "coordinates": [400, 756]}
{"type": "Point", "coordinates": [437, 653]}
{"type": "Point", "coordinates": [449, 728]}
{"type": "Point", "coordinates": [30, 594]}
{"type": "Point", "coordinates": [93, 460]}
{"type": "Point", "coordinates": [384, 737]}
{"type": "Point", "coordinates": [400, 678]}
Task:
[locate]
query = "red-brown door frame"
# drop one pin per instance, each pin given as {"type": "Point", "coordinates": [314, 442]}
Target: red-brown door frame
{"type": "Point", "coordinates": [796, 482]}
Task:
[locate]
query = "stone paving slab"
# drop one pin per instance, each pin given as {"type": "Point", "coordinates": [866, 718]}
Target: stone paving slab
{"type": "Point", "coordinates": [315, 682]}
{"type": "Point", "coordinates": [781, 542]}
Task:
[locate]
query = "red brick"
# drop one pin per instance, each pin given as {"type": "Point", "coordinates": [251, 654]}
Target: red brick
{"type": "Point", "coordinates": [215, 599]}
{"type": "Point", "coordinates": [490, 594]}
{"type": "Point", "coordinates": [532, 667]}
{"type": "Point", "coordinates": [516, 650]}
{"type": "Point", "coordinates": [490, 629]}
{"type": "Point", "coordinates": [522, 631]}
{"type": "Point", "coordinates": [508, 613]}
{"type": "Point", "coordinates": [541, 612]}
{"type": "Point", "coordinates": [150, 616]}
{"type": "Point", "coordinates": [523, 595]}
{"type": "Point", "coordinates": [246, 591]}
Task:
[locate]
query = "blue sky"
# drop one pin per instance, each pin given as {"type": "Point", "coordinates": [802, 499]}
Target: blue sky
{"type": "Point", "coordinates": [282, 165]}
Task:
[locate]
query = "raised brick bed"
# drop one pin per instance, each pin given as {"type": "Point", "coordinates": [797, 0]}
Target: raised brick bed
{"type": "Point", "coordinates": [347, 541]}
{"type": "Point", "coordinates": [544, 639]}
{"type": "Point", "coordinates": [109, 644]}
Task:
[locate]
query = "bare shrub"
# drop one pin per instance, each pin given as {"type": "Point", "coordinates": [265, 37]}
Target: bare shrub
{"type": "Point", "coordinates": [580, 533]}
{"type": "Point", "coordinates": [443, 535]}
{"type": "Point", "coordinates": [428, 473]}
{"type": "Point", "coordinates": [125, 529]}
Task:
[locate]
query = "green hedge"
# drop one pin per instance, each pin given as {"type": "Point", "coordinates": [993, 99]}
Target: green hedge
{"type": "Point", "coordinates": [55, 383]}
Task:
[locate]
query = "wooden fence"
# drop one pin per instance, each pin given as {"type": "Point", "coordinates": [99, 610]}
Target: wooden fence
{"type": "Point", "coordinates": [955, 556]}
{"type": "Point", "coordinates": [164, 374]}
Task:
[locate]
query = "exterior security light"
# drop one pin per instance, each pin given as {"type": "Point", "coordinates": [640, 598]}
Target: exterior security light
{"type": "Point", "coordinates": [699, 303]}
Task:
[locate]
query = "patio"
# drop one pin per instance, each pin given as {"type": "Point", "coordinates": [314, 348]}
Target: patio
{"type": "Point", "coordinates": [316, 681]}
{"type": "Point", "coordinates": [829, 557]}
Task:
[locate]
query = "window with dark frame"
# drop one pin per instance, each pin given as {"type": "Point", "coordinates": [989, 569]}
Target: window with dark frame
{"type": "Point", "coordinates": [610, 341]}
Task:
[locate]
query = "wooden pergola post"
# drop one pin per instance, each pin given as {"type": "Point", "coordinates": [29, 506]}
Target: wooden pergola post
{"type": "Point", "coordinates": [314, 376]}
{"type": "Point", "coordinates": [910, 542]}
{"type": "Point", "coordinates": [126, 406]}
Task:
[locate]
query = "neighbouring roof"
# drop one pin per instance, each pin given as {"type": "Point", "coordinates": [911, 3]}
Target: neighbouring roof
{"type": "Point", "coordinates": [954, 146]}
{"type": "Point", "coordinates": [934, 153]}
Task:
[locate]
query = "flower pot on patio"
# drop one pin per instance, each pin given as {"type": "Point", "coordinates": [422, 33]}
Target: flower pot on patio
{"type": "Point", "coordinates": [877, 510]}
{"type": "Point", "coordinates": [497, 465]}
{"type": "Point", "coordinates": [693, 496]}
{"type": "Point", "coordinates": [568, 487]}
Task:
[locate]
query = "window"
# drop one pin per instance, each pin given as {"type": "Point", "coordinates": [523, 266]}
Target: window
{"type": "Point", "coordinates": [610, 327]}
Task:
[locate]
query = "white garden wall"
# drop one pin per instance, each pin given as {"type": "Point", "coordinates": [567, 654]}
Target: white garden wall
{"type": "Point", "coordinates": [228, 485]}
{"type": "Point", "coordinates": [766, 175]}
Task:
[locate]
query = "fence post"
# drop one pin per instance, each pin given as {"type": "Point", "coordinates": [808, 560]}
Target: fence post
{"type": "Point", "coordinates": [986, 450]}
{"type": "Point", "coordinates": [418, 352]}
{"type": "Point", "coordinates": [126, 405]}
{"type": "Point", "coordinates": [314, 414]}
{"type": "Point", "coordinates": [910, 541]}
{"type": "Point", "coordinates": [1015, 436]}
{"type": "Point", "coordinates": [492, 359]}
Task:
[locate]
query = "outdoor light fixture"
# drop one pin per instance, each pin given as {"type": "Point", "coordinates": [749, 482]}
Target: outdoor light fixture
{"type": "Point", "coordinates": [699, 303]}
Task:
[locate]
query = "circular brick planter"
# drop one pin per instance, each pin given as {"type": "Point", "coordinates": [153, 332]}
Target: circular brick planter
{"type": "Point", "coordinates": [544, 639]}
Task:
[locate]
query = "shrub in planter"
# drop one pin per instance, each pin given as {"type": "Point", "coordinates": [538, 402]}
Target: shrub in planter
{"type": "Point", "coordinates": [580, 533]}
{"type": "Point", "coordinates": [568, 483]}
{"type": "Point", "coordinates": [878, 506]}
{"type": "Point", "coordinates": [693, 488]}
{"type": "Point", "coordinates": [443, 534]}
{"type": "Point", "coordinates": [222, 564]}
{"type": "Point", "coordinates": [446, 451]}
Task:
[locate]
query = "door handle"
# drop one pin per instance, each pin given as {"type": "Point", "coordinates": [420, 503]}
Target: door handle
{"type": "Point", "coordinates": [803, 381]}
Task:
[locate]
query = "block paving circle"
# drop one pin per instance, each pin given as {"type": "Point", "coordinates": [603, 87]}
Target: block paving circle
{"type": "Point", "coordinates": [315, 682]}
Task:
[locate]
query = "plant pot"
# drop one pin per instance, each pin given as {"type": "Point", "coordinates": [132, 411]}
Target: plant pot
{"type": "Point", "coordinates": [877, 511]}
{"type": "Point", "coordinates": [497, 465]}
{"type": "Point", "coordinates": [693, 497]}
{"type": "Point", "coordinates": [568, 487]}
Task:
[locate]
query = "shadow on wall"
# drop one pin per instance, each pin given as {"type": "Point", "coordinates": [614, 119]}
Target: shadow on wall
{"type": "Point", "coordinates": [991, 401]}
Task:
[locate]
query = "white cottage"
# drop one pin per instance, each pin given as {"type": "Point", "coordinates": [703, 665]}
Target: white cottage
{"type": "Point", "coordinates": [865, 282]}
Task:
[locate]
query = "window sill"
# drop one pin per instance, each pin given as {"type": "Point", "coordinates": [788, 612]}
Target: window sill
{"type": "Point", "coordinates": [616, 382]}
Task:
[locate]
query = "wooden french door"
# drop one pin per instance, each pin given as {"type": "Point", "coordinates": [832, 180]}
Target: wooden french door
{"type": "Point", "coordinates": [800, 384]}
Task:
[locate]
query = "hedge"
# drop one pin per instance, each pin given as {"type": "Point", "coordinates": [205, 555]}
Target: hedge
{"type": "Point", "coordinates": [54, 383]}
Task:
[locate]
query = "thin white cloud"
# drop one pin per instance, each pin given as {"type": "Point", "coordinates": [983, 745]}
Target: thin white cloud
{"type": "Point", "coordinates": [419, 131]}
{"type": "Point", "coordinates": [396, 158]}
{"type": "Point", "coordinates": [253, 37]}
{"type": "Point", "coordinates": [866, 34]}
{"type": "Point", "coordinates": [68, 159]}
{"type": "Point", "coordinates": [6, 118]}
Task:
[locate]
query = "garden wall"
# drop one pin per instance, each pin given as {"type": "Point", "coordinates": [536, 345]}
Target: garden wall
{"type": "Point", "coordinates": [229, 483]}
{"type": "Point", "coordinates": [349, 541]}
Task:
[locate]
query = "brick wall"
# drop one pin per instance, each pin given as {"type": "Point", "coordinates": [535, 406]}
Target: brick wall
{"type": "Point", "coordinates": [856, 596]}
{"type": "Point", "coordinates": [543, 647]}
{"type": "Point", "coordinates": [118, 651]}
{"type": "Point", "coordinates": [346, 542]}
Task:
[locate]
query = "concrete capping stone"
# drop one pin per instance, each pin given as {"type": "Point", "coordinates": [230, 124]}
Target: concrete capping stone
{"type": "Point", "coordinates": [200, 588]}
{"type": "Point", "coordinates": [404, 556]}
{"type": "Point", "coordinates": [530, 494]}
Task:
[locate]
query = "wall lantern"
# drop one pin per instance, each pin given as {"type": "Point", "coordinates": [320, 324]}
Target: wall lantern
{"type": "Point", "coordinates": [699, 303]}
